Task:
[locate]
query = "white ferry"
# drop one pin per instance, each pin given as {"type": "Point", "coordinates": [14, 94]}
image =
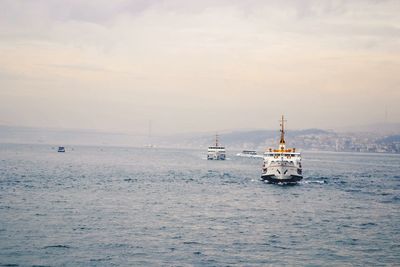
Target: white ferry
{"type": "Point", "coordinates": [216, 152]}
{"type": "Point", "coordinates": [282, 165]}
{"type": "Point", "coordinates": [247, 154]}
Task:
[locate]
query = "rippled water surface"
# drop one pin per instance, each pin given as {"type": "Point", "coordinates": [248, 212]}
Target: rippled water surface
{"type": "Point", "coordinates": [102, 206]}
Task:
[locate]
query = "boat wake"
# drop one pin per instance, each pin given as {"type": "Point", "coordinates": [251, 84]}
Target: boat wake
{"type": "Point", "coordinates": [314, 182]}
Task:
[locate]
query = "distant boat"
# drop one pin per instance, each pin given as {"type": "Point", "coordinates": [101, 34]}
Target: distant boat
{"type": "Point", "coordinates": [216, 152]}
{"type": "Point", "coordinates": [61, 149]}
{"type": "Point", "coordinates": [282, 165]}
{"type": "Point", "coordinates": [247, 154]}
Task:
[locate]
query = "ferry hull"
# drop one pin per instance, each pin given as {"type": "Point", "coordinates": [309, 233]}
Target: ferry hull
{"type": "Point", "coordinates": [273, 179]}
{"type": "Point", "coordinates": [216, 157]}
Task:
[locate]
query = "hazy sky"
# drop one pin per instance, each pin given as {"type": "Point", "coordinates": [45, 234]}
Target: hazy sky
{"type": "Point", "coordinates": [198, 65]}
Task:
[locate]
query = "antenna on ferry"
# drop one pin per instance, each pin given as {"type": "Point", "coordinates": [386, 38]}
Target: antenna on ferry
{"type": "Point", "coordinates": [216, 139]}
{"type": "Point", "coordinates": [282, 141]}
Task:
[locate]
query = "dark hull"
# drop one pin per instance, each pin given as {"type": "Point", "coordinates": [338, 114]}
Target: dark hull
{"type": "Point", "coordinates": [216, 158]}
{"type": "Point", "coordinates": [275, 180]}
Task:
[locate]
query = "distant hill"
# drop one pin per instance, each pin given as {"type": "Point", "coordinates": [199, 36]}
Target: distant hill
{"type": "Point", "coordinates": [390, 139]}
{"type": "Point", "coordinates": [307, 139]}
{"type": "Point", "coordinates": [381, 128]}
{"type": "Point", "coordinates": [259, 136]}
{"type": "Point", "coordinates": [250, 139]}
{"type": "Point", "coordinates": [236, 139]}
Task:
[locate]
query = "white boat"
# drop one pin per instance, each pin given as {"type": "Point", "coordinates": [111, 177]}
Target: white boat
{"type": "Point", "coordinates": [216, 152]}
{"type": "Point", "coordinates": [248, 154]}
{"type": "Point", "coordinates": [149, 146]}
{"type": "Point", "coordinates": [61, 149]}
{"type": "Point", "coordinates": [282, 165]}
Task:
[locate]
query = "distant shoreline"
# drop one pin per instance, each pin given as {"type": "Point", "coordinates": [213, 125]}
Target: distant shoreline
{"type": "Point", "coordinates": [229, 151]}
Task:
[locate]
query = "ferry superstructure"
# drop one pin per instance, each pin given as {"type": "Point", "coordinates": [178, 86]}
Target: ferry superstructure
{"type": "Point", "coordinates": [216, 152]}
{"type": "Point", "coordinates": [282, 165]}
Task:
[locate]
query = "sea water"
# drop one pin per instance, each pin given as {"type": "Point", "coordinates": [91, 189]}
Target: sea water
{"type": "Point", "coordinates": [110, 206]}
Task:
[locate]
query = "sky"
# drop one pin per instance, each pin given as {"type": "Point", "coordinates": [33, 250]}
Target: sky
{"type": "Point", "coordinates": [197, 66]}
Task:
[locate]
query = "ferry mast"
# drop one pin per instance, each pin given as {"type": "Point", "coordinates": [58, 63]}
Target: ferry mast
{"type": "Point", "coordinates": [282, 142]}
